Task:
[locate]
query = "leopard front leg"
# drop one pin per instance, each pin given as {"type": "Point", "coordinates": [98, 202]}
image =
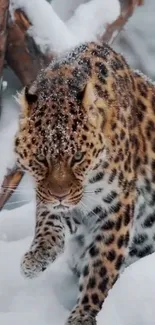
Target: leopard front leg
{"type": "Point", "coordinates": [103, 262]}
{"type": "Point", "coordinates": [48, 242]}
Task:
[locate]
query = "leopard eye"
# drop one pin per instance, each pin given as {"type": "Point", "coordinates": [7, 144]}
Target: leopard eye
{"type": "Point", "coordinates": [41, 158]}
{"type": "Point", "coordinates": [78, 156]}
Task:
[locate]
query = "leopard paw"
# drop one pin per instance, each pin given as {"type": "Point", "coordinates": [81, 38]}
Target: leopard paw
{"type": "Point", "coordinates": [81, 320]}
{"type": "Point", "coordinates": [35, 262]}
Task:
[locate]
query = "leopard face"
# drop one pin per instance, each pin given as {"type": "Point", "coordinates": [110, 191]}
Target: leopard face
{"type": "Point", "coordinates": [70, 121]}
{"type": "Point", "coordinates": [59, 143]}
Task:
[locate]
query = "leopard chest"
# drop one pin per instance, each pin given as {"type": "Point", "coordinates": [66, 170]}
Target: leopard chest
{"type": "Point", "coordinates": [143, 232]}
{"type": "Point", "coordinates": [99, 197]}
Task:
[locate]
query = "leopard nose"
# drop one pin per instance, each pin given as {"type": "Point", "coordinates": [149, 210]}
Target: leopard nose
{"type": "Point", "coordinates": [61, 197]}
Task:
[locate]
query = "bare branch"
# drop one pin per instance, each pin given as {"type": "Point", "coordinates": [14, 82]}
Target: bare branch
{"type": "Point", "coordinates": [127, 9]}
{"type": "Point", "coordinates": [23, 56]}
{"type": "Point", "coordinates": [10, 183]}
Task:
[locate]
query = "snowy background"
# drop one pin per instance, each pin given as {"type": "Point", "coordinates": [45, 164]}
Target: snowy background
{"type": "Point", "coordinates": [48, 299]}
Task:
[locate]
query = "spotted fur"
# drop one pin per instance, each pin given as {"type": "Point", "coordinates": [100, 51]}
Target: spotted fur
{"type": "Point", "coordinates": [87, 136]}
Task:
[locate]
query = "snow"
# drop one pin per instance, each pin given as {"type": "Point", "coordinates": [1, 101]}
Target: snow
{"type": "Point", "coordinates": [66, 8]}
{"type": "Point", "coordinates": [48, 298]}
{"type": "Point", "coordinates": [85, 27]}
{"type": "Point", "coordinates": [8, 159]}
{"type": "Point", "coordinates": [53, 34]}
{"type": "Point", "coordinates": [8, 128]}
{"type": "Point", "coordinates": [48, 29]}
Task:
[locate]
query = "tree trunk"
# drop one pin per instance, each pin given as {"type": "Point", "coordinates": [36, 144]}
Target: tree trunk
{"type": "Point", "coordinates": [4, 5]}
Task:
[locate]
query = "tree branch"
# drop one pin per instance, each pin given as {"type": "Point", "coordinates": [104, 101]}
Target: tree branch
{"type": "Point", "coordinates": [22, 55]}
{"type": "Point", "coordinates": [4, 5]}
{"type": "Point", "coordinates": [10, 183]}
{"type": "Point", "coordinates": [127, 9]}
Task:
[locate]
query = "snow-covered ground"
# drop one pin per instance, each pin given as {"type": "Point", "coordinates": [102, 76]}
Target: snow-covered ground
{"type": "Point", "coordinates": [48, 299]}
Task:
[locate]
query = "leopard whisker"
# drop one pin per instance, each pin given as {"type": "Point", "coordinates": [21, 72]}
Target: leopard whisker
{"type": "Point", "coordinates": [13, 187]}
{"type": "Point", "coordinates": [89, 211]}
{"type": "Point", "coordinates": [89, 197]}
{"type": "Point", "coordinates": [14, 190]}
{"type": "Point", "coordinates": [15, 202]}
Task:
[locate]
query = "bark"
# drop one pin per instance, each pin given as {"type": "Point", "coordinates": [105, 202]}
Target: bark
{"type": "Point", "coordinates": [4, 5]}
{"type": "Point", "coordinates": [10, 183]}
{"type": "Point", "coordinates": [22, 55]}
{"type": "Point", "coordinates": [25, 59]}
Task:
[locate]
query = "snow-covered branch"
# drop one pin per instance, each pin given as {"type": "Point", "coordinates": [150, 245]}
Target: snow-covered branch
{"type": "Point", "coordinates": [22, 54]}
{"type": "Point", "coordinates": [47, 29]}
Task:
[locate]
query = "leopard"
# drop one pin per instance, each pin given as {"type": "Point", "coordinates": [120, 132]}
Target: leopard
{"type": "Point", "coordinates": [86, 136]}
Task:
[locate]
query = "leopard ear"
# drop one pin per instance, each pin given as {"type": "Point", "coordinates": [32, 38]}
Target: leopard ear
{"type": "Point", "coordinates": [31, 95]}
{"type": "Point", "coordinates": [26, 98]}
{"type": "Point", "coordinates": [93, 104]}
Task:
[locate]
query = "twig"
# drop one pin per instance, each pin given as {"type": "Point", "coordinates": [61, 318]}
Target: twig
{"type": "Point", "coordinates": [127, 9]}
{"type": "Point", "coordinates": [10, 183]}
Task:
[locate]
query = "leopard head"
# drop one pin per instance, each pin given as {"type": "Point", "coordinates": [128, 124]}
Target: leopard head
{"type": "Point", "coordinates": [60, 138]}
